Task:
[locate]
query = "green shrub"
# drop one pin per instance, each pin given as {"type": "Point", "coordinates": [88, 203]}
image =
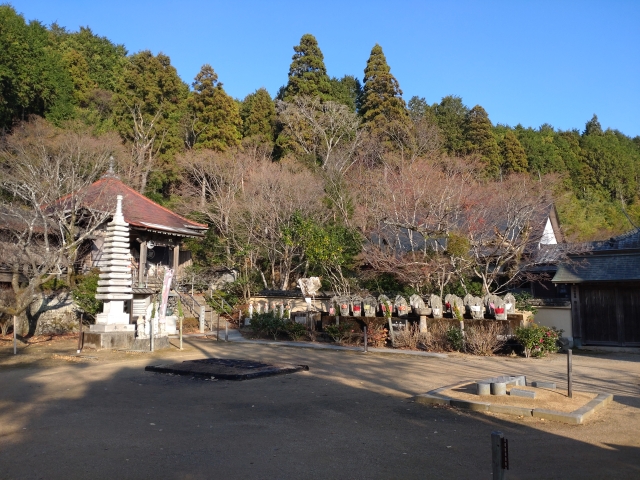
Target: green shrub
{"type": "Point", "coordinates": [295, 330]}
{"type": "Point", "coordinates": [538, 340]}
{"type": "Point", "coordinates": [339, 333]}
{"type": "Point", "coordinates": [269, 324]}
{"type": "Point", "coordinates": [455, 338]}
{"type": "Point", "coordinates": [84, 293]}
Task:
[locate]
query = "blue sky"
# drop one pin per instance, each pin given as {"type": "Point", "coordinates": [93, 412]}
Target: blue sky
{"type": "Point", "coordinates": [528, 62]}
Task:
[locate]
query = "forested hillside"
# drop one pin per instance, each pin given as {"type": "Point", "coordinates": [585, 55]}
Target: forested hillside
{"type": "Point", "coordinates": [291, 185]}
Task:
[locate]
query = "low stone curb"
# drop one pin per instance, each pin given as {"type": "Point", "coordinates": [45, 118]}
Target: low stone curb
{"type": "Point", "coordinates": [318, 346]}
{"type": "Point", "coordinates": [577, 417]}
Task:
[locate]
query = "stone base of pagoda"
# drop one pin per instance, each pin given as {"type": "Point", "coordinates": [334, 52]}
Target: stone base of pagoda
{"type": "Point", "coordinates": [122, 341]}
{"type": "Point", "coordinates": [108, 340]}
{"type": "Point", "coordinates": [113, 318]}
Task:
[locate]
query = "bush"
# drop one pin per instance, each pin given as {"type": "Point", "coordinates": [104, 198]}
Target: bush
{"type": "Point", "coordinates": [455, 338]}
{"type": "Point", "coordinates": [538, 340]}
{"type": "Point", "coordinates": [485, 339]}
{"type": "Point", "coordinates": [84, 293]}
{"type": "Point", "coordinates": [410, 337]}
{"type": "Point", "coordinates": [436, 338]}
{"type": "Point", "coordinates": [268, 324]}
{"type": "Point", "coordinates": [377, 335]}
{"type": "Point", "coordinates": [339, 333]}
{"type": "Point", "coordinates": [295, 330]}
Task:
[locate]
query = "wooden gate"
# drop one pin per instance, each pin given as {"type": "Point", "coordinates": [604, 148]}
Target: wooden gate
{"type": "Point", "coordinates": [610, 314]}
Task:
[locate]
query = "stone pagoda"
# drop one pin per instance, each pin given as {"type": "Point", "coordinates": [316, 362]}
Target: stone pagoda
{"type": "Point", "coordinates": [114, 286]}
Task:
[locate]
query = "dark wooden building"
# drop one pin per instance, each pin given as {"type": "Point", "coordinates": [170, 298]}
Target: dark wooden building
{"type": "Point", "coordinates": [605, 292]}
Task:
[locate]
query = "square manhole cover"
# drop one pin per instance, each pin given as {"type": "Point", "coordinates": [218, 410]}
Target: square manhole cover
{"type": "Point", "coordinates": [226, 368]}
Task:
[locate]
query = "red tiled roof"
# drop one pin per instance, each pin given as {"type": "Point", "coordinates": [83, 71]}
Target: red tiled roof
{"type": "Point", "coordinates": [138, 210]}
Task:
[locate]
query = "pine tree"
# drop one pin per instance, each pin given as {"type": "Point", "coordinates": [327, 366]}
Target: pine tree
{"type": "Point", "coordinates": [258, 115]}
{"type": "Point", "coordinates": [513, 155]}
{"type": "Point", "coordinates": [382, 101]}
{"type": "Point", "coordinates": [216, 116]}
{"type": "Point", "coordinates": [307, 73]}
{"type": "Point", "coordinates": [593, 126]}
{"type": "Point", "coordinates": [479, 138]}
{"type": "Point", "coordinates": [451, 114]}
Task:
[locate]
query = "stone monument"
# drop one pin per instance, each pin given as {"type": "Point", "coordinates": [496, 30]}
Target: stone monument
{"type": "Point", "coordinates": [113, 328]}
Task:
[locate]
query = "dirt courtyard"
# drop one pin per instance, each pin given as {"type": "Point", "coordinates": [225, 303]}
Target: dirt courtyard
{"type": "Point", "coordinates": [349, 417]}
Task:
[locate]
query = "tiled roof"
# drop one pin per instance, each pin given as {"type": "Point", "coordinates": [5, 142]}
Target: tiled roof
{"type": "Point", "coordinates": [610, 267]}
{"type": "Point", "coordinates": [138, 210]}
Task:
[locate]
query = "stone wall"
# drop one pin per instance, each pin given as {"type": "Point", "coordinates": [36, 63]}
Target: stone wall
{"type": "Point", "coordinates": [52, 313]}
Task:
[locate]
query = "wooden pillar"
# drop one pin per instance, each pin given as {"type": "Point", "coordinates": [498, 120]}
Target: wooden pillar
{"type": "Point", "coordinates": [143, 263]}
{"type": "Point", "coordinates": [176, 262]}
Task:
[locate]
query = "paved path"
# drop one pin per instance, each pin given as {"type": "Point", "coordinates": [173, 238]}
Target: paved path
{"type": "Point", "coordinates": [349, 417]}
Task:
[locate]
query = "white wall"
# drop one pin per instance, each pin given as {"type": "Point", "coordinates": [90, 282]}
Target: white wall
{"type": "Point", "coordinates": [559, 317]}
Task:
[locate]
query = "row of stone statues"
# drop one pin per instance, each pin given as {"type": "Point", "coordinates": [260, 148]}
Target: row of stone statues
{"type": "Point", "coordinates": [431, 305]}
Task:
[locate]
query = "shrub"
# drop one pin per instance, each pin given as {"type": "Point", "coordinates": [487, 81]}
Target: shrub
{"type": "Point", "coordinates": [455, 338]}
{"type": "Point", "coordinates": [485, 339]}
{"type": "Point", "coordinates": [538, 340]}
{"type": "Point", "coordinates": [339, 333]}
{"type": "Point", "coordinates": [410, 337]}
{"type": "Point", "coordinates": [377, 335]}
{"type": "Point", "coordinates": [267, 323]}
{"type": "Point", "coordinates": [84, 293]}
{"type": "Point", "coordinates": [436, 338]}
{"type": "Point", "coordinates": [295, 330]}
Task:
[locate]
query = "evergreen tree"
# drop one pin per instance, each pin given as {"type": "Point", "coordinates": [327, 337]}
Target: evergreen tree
{"type": "Point", "coordinates": [258, 115]}
{"type": "Point", "coordinates": [215, 115]}
{"type": "Point", "coordinates": [513, 155]}
{"type": "Point", "coordinates": [347, 90]}
{"type": "Point", "coordinates": [33, 79]}
{"type": "Point", "coordinates": [148, 107]}
{"type": "Point", "coordinates": [479, 138]}
{"type": "Point", "coordinates": [593, 126]}
{"type": "Point", "coordinates": [307, 73]}
{"type": "Point", "coordinates": [382, 101]}
{"type": "Point", "coordinates": [450, 116]}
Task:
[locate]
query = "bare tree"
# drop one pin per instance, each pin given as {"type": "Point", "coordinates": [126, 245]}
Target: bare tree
{"type": "Point", "coordinates": [328, 130]}
{"type": "Point", "coordinates": [44, 174]}
{"type": "Point", "coordinates": [502, 224]}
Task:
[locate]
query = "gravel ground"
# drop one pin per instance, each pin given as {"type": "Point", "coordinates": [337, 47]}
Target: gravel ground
{"type": "Point", "coordinates": [350, 416]}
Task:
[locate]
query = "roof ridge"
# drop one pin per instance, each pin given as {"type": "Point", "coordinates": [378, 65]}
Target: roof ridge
{"type": "Point", "coordinates": [146, 199]}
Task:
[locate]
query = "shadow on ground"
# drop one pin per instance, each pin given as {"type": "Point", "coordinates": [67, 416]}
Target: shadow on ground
{"type": "Point", "coordinates": [350, 416]}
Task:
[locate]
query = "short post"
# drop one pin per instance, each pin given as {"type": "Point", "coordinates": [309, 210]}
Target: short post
{"type": "Point", "coordinates": [212, 320]}
{"type": "Point", "coordinates": [180, 333]}
{"type": "Point", "coordinates": [569, 374]}
{"type": "Point", "coordinates": [151, 335]}
{"type": "Point", "coordinates": [80, 333]}
{"type": "Point", "coordinates": [365, 339]}
{"type": "Point", "coordinates": [499, 455]}
{"type": "Point", "coordinates": [201, 318]}
{"type": "Point", "coordinates": [226, 330]}
{"type": "Point", "coordinates": [15, 336]}
{"type": "Point", "coordinates": [218, 329]}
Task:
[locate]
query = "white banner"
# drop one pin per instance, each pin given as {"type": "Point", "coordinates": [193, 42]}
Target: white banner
{"type": "Point", "coordinates": [166, 287]}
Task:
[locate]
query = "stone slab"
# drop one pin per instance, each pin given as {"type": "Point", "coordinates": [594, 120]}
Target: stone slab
{"type": "Point", "coordinates": [510, 410]}
{"type": "Point", "coordinates": [544, 385]}
{"type": "Point", "coordinates": [144, 344]}
{"type": "Point", "coordinates": [562, 417]}
{"type": "Point", "coordinates": [113, 327]}
{"type": "Point", "coordinates": [108, 340]}
{"type": "Point", "coordinates": [226, 369]}
{"type": "Point", "coordinates": [476, 406]}
{"type": "Point", "coordinates": [426, 399]}
{"type": "Point", "coordinates": [516, 392]}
